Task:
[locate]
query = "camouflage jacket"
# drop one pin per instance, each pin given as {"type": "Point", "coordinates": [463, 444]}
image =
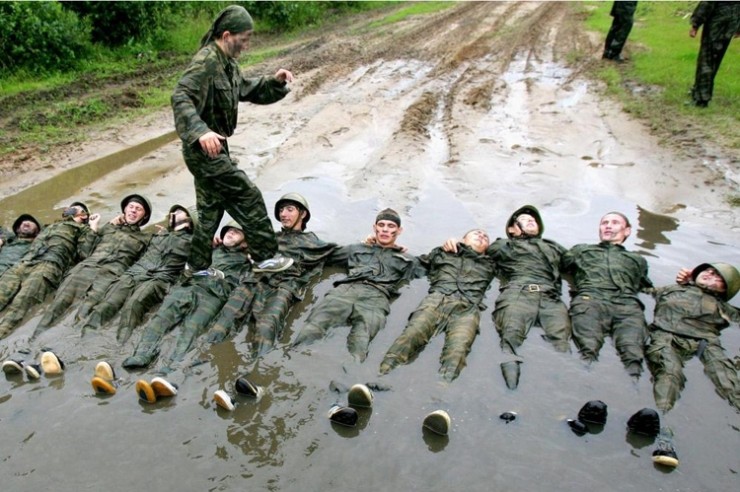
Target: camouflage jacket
{"type": "Point", "coordinates": [607, 272]}
{"type": "Point", "coordinates": [117, 247]}
{"type": "Point", "coordinates": [232, 262]}
{"type": "Point", "coordinates": [63, 243]}
{"type": "Point", "coordinates": [384, 268]}
{"type": "Point", "coordinates": [309, 252]}
{"type": "Point", "coordinates": [12, 252]}
{"type": "Point", "coordinates": [526, 261]}
{"type": "Point", "coordinates": [164, 258]}
{"type": "Point", "coordinates": [466, 273]}
{"type": "Point", "coordinates": [689, 311]}
{"type": "Point", "coordinates": [207, 96]}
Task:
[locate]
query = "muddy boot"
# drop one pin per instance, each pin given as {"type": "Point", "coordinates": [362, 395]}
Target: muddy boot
{"type": "Point", "coordinates": [510, 370]}
{"type": "Point", "coordinates": [665, 454]}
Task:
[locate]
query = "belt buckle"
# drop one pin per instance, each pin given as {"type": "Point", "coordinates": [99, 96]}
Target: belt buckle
{"type": "Point", "coordinates": [533, 288]}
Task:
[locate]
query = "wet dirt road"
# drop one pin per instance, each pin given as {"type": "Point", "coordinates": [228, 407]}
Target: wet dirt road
{"type": "Point", "coordinates": [454, 119]}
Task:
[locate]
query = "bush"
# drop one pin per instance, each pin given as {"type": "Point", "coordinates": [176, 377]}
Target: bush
{"type": "Point", "coordinates": [41, 37]}
{"type": "Point", "coordinates": [120, 23]}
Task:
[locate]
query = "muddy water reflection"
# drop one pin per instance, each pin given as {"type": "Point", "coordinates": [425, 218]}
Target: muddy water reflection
{"type": "Point", "coordinates": [42, 198]}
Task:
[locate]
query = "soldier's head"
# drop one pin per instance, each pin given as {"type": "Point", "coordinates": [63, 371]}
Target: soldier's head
{"type": "Point", "coordinates": [231, 31]}
{"type": "Point", "coordinates": [387, 228]}
{"type": "Point", "coordinates": [477, 240]}
{"type": "Point", "coordinates": [26, 227]}
{"type": "Point", "coordinates": [720, 279]}
{"type": "Point", "coordinates": [293, 212]}
{"type": "Point", "coordinates": [78, 212]}
{"type": "Point", "coordinates": [525, 222]}
{"type": "Point", "coordinates": [180, 219]}
{"type": "Point", "coordinates": [136, 210]}
{"type": "Point", "coordinates": [232, 235]}
{"type": "Point", "coordinates": [614, 228]}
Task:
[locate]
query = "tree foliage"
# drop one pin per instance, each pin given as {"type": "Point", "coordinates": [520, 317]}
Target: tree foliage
{"type": "Point", "coordinates": [40, 37]}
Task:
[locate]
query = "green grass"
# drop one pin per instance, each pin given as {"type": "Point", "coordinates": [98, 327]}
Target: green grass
{"type": "Point", "coordinates": [663, 58]}
{"type": "Point", "coordinates": [419, 8]}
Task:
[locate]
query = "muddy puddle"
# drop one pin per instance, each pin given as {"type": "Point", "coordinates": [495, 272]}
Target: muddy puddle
{"type": "Point", "coordinates": [544, 140]}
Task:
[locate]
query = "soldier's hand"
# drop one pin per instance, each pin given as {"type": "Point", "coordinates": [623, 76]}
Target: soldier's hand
{"type": "Point", "coordinates": [211, 143]}
{"type": "Point", "coordinates": [369, 240]}
{"type": "Point", "coordinates": [692, 32]}
{"type": "Point", "coordinates": [94, 222]}
{"type": "Point", "coordinates": [683, 276]}
{"type": "Point", "coordinates": [118, 220]}
{"type": "Point", "coordinates": [283, 75]}
{"type": "Point", "coordinates": [1, 242]}
{"type": "Point", "coordinates": [450, 246]}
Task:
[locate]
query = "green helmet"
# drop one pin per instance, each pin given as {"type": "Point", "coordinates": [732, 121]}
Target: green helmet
{"type": "Point", "coordinates": [530, 210]}
{"type": "Point", "coordinates": [295, 199]}
{"type": "Point", "coordinates": [25, 217]}
{"type": "Point", "coordinates": [232, 224]}
{"type": "Point", "coordinates": [728, 273]}
{"type": "Point", "coordinates": [192, 216]}
{"type": "Point", "coordinates": [143, 202]}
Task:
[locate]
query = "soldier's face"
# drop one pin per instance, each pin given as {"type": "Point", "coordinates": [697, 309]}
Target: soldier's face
{"type": "Point", "coordinates": [477, 239]}
{"type": "Point", "coordinates": [710, 279]}
{"type": "Point", "coordinates": [133, 212]}
{"type": "Point", "coordinates": [291, 217]}
{"type": "Point", "coordinates": [235, 44]}
{"type": "Point", "coordinates": [527, 224]}
{"type": "Point", "coordinates": [233, 237]}
{"type": "Point", "coordinates": [386, 232]}
{"type": "Point", "coordinates": [613, 229]}
{"type": "Point", "coordinates": [179, 220]}
{"type": "Point", "coordinates": [27, 229]}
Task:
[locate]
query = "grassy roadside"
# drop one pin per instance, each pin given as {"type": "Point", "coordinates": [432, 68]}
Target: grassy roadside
{"type": "Point", "coordinates": [116, 86]}
{"type": "Point", "coordinates": [654, 84]}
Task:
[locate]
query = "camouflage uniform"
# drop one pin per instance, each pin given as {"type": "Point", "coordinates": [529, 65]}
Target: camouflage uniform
{"type": "Point", "coordinates": [194, 303]}
{"type": "Point", "coordinates": [687, 323]}
{"type": "Point", "coordinates": [363, 297]}
{"type": "Point", "coordinates": [267, 298]}
{"type": "Point", "coordinates": [206, 99]}
{"type": "Point", "coordinates": [39, 272]}
{"type": "Point", "coordinates": [116, 247]}
{"type": "Point", "coordinates": [607, 280]}
{"type": "Point", "coordinates": [529, 292]}
{"type": "Point", "coordinates": [458, 283]}
{"type": "Point", "coordinates": [143, 285]}
{"type": "Point", "coordinates": [12, 252]}
{"type": "Point", "coordinates": [721, 21]}
{"type": "Point", "coordinates": [623, 14]}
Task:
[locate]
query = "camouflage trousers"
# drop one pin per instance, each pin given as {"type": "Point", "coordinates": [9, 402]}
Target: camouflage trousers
{"type": "Point", "coordinates": [593, 320]}
{"type": "Point", "coordinates": [362, 306]}
{"type": "Point", "coordinates": [188, 305]}
{"type": "Point", "coordinates": [519, 308]}
{"type": "Point", "coordinates": [452, 314]}
{"type": "Point", "coordinates": [234, 193]}
{"type": "Point", "coordinates": [132, 298]}
{"type": "Point", "coordinates": [23, 287]}
{"type": "Point", "coordinates": [88, 282]}
{"type": "Point", "coordinates": [268, 306]}
{"type": "Point", "coordinates": [666, 354]}
{"type": "Point", "coordinates": [715, 39]}
{"type": "Point", "coordinates": [618, 33]}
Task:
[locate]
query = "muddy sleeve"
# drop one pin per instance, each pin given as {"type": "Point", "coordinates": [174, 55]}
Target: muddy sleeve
{"type": "Point", "coordinates": [262, 90]}
{"type": "Point", "coordinates": [188, 101]}
{"type": "Point", "coordinates": [339, 257]}
{"type": "Point", "coordinates": [730, 312]}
